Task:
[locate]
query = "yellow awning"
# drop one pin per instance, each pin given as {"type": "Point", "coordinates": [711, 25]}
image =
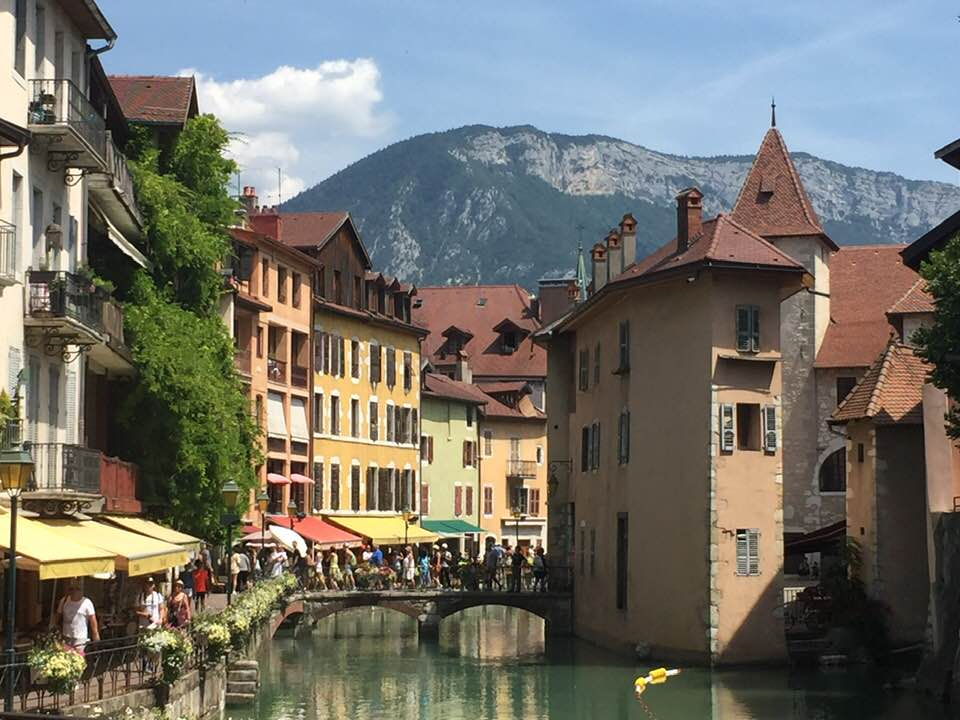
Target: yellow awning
{"type": "Point", "coordinates": [386, 530]}
{"type": "Point", "coordinates": [154, 530]}
{"type": "Point", "coordinates": [134, 554]}
{"type": "Point", "coordinates": [43, 551]}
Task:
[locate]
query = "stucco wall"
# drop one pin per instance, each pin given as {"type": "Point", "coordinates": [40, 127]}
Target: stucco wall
{"type": "Point", "coordinates": [445, 421]}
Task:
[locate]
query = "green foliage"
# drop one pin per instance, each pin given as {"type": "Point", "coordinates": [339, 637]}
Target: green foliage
{"type": "Point", "coordinates": [186, 418]}
{"type": "Point", "coordinates": [939, 344]}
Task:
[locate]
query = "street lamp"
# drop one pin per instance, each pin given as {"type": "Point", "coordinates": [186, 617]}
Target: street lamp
{"type": "Point", "coordinates": [517, 516]}
{"type": "Point", "coordinates": [230, 492]}
{"type": "Point", "coordinates": [15, 469]}
{"type": "Point", "coordinates": [407, 517]}
{"type": "Point", "coordinates": [263, 503]}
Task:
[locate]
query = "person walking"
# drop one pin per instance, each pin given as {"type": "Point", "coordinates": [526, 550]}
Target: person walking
{"type": "Point", "coordinates": [201, 584]}
{"type": "Point", "coordinates": [178, 605]}
{"type": "Point", "coordinates": [376, 557]}
{"type": "Point", "coordinates": [435, 567]}
{"type": "Point", "coordinates": [243, 570]}
{"type": "Point", "coordinates": [336, 577]}
{"type": "Point", "coordinates": [151, 609]}
{"type": "Point", "coordinates": [424, 570]}
{"type": "Point", "coordinates": [516, 568]}
{"type": "Point", "coordinates": [445, 558]}
{"type": "Point", "coordinates": [76, 617]}
{"type": "Point", "coordinates": [349, 566]}
{"type": "Point", "coordinates": [540, 570]}
{"type": "Point", "coordinates": [409, 569]}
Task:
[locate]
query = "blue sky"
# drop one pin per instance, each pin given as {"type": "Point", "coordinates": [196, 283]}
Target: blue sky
{"type": "Point", "coordinates": [315, 85]}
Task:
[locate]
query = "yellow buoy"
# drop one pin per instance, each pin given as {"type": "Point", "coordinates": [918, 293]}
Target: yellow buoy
{"type": "Point", "coordinates": [654, 677]}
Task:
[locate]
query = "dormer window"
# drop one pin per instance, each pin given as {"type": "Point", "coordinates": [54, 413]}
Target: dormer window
{"type": "Point", "coordinates": [456, 340]}
{"type": "Point", "coordinates": [511, 335]}
{"type": "Point", "coordinates": [509, 340]}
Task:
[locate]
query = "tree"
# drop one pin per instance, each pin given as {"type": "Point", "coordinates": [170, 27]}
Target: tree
{"type": "Point", "coordinates": [939, 344]}
{"type": "Point", "coordinates": [186, 416]}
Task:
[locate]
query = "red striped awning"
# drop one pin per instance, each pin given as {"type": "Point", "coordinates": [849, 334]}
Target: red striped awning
{"type": "Point", "coordinates": [317, 531]}
{"type": "Point", "coordinates": [302, 479]}
{"type": "Point", "coordinates": [277, 479]}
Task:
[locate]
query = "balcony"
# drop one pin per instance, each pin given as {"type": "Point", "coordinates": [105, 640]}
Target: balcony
{"type": "Point", "coordinates": [75, 131]}
{"type": "Point", "coordinates": [9, 434]}
{"type": "Point", "coordinates": [276, 370]}
{"type": "Point", "coordinates": [8, 253]}
{"type": "Point", "coordinates": [521, 468]}
{"type": "Point", "coordinates": [118, 485]}
{"type": "Point", "coordinates": [113, 190]}
{"type": "Point", "coordinates": [242, 360]}
{"type": "Point", "coordinates": [298, 376]}
{"type": "Point", "coordinates": [58, 468]}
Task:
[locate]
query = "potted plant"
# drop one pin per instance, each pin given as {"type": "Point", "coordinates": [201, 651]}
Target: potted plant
{"type": "Point", "coordinates": [55, 665]}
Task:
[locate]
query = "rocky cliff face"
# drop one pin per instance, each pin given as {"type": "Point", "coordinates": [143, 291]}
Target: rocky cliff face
{"type": "Point", "coordinates": [482, 204]}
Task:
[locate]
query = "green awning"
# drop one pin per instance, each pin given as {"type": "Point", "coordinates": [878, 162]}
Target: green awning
{"type": "Point", "coordinates": [447, 528]}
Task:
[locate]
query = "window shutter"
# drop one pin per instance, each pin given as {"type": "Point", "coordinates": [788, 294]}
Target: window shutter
{"type": "Point", "coordinates": [424, 499]}
{"type": "Point", "coordinates": [318, 486]}
{"type": "Point", "coordinates": [469, 501]}
{"type": "Point", "coordinates": [325, 341]}
{"type": "Point", "coordinates": [596, 445]}
{"type": "Point", "coordinates": [342, 358]}
{"type": "Point", "coordinates": [457, 500]}
{"type": "Point", "coordinates": [584, 449]}
{"type": "Point", "coordinates": [487, 500]}
{"type": "Point", "coordinates": [755, 329]}
{"type": "Point", "coordinates": [71, 405]}
{"type": "Point", "coordinates": [414, 430]}
{"type": "Point", "coordinates": [727, 433]}
{"type": "Point", "coordinates": [463, 453]}
{"type": "Point", "coordinates": [770, 428]}
{"type": "Point", "coordinates": [742, 552]}
{"type": "Point", "coordinates": [374, 363]}
{"type": "Point", "coordinates": [753, 552]}
{"type": "Point", "coordinates": [534, 501]}
{"type": "Point", "coordinates": [13, 370]}
{"type": "Point", "coordinates": [743, 328]}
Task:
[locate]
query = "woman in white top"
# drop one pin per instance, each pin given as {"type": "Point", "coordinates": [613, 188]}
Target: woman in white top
{"type": "Point", "coordinates": [409, 568]}
{"type": "Point", "coordinates": [77, 618]}
{"type": "Point", "coordinates": [151, 608]}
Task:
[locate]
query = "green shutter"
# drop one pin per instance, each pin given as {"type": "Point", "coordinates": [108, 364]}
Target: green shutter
{"type": "Point", "coordinates": [743, 328]}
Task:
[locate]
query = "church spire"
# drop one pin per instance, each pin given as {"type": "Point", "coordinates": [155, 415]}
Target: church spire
{"type": "Point", "coordinates": [773, 112]}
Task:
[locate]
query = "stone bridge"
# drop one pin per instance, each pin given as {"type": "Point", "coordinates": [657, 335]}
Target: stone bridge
{"type": "Point", "coordinates": [429, 607]}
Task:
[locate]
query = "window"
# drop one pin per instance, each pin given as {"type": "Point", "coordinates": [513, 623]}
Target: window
{"type": "Point", "coordinates": [424, 499]}
{"type": "Point", "coordinates": [265, 276]}
{"type": "Point", "coordinates": [487, 443]}
{"type": "Point", "coordinates": [259, 341]}
{"type": "Point", "coordinates": [319, 351]}
{"type": "Point", "coordinates": [334, 487]}
{"type": "Point", "coordinates": [748, 426]}
{"type": "Point", "coordinates": [595, 451]}
{"type": "Point", "coordinates": [295, 277]}
{"type": "Point", "coordinates": [391, 367]}
{"type": "Point", "coordinates": [585, 449]}
{"type": "Point", "coordinates": [533, 502]}
{"type": "Point", "coordinates": [374, 420]}
{"type": "Point", "coordinates": [334, 414]}
{"type": "Point", "coordinates": [727, 432]}
{"type": "Point", "coordinates": [469, 415]}
{"type": "Point", "coordinates": [584, 369]}
{"type": "Point", "coordinates": [385, 489]}
{"type": "Point", "coordinates": [457, 500]}
{"type": "Point", "coordinates": [318, 486]}
{"type": "Point", "coordinates": [468, 500]}
{"type": "Point", "coordinates": [487, 500]}
{"type": "Point", "coordinates": [40, 40]}
{"type": "Point", "coordinates": [426, 448]}
{"type": "Point", "coordinates": [539, 454]}
{"type": "Point", "coordinates": [341, 366]}
{"type": "Point", "coordinates": [623, 438]}
{"type": "Point", "coordinates": [769, 428]}
{"type": "Point", "coordinates": [593, 551]}
{"type": "Point", "coordinates": [596, 364]}
{"type": "Point", "coordinates": [281, 284]}
{"type": "Point", "coordinates": [322, 282]}
{"type": "Point", "coordinates": [337, 288]}
{"type": "Point", "coordinates": [748, 552]}
{"type": "Point", "coordinates": [374, 363]}
{"type": "Point", "coordinates": [844, 386]}
{"type": "Point", "coordinates": [355, 488]}
{"type": "Point", "coordinates": [623, 550]}
{"type": "Point", "coordinates": [509, 342]}
{"type": "Point", "coordinates": [859, 452]}
{"type": "Point", "coordinates": [748, 328]}
{"type": "Point", "coordinates": [355, 359]}
{"type": "Point", "coordinates": [371, 488]}
{"type": "Point", "coordinates": [357, 292]}
{"type": "Point", "coordinates": [414, 427]}
{"type": "Point", "coordinates": [318, 412]}
{"type": "Point", "coordinates": [390, 423]}
{"type": "Point", "coordinates": [623, 336]}
{"type": "Point", "coordinates": [19, 37]}
{"type": "Point", "coordinates": [469, 453]}
{"type": "Point", "coordinates": [354, 417]}
{"type": "Point", "coordinates": [407, 372]}
{"type": "Point", "coordinates": [833, 471]}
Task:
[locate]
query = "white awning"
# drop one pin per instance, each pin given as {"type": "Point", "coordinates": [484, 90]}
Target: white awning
{"type": "Point", "coordinates": [298, 419]}
{"type": "Point", "coordinates": [123, 245]}
{"type": "Point", "coordinates": [276, 423]}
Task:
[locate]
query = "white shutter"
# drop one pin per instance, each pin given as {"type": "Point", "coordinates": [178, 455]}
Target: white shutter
{"type": "Point", "coordinates": [770, 428]}
{"type": "Point", "coordinates": [753, 552]}
{"type": "Point", "coordinates": [14, 361]}
{"type": "Point", "coordinates": [71, 406]}
{"type": "Point", "coordinates": [742, 552]}
{"type": "Point", "coordinates": [727, 433]}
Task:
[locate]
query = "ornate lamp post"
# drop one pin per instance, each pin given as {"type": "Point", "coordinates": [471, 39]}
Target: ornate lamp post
{"type": "Point", "coordinates": [517, 517]}
{"type": "Point", "coordinates": [407, 517]}
{"type": "Point", "coordinates": [230, 492]}
{"type": "Point", "coordinates": [263, 503]}
{"type": "Point", "coordinates": [15, 468]}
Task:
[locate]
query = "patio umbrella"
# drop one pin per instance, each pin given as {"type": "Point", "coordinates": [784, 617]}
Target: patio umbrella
{"type": "Point", "coordinates": [288, 539]}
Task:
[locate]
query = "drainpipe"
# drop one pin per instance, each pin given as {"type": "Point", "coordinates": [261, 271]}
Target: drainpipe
{"type": "Point", "coordinates": [19, 151]}
{"type": "Point", "coordinates": [91, 52]}
{"type": "Point", "coordinates": [479, 548]}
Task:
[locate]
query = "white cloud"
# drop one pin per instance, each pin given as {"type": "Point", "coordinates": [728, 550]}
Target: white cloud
{"type": "Point", "coordinates": [307, 121]}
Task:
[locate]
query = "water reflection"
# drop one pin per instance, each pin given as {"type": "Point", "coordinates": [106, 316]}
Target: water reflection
{"type": "Point", "coordinates": [495, 664]}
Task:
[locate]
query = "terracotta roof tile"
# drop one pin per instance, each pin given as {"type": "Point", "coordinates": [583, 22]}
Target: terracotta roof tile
{"type": "Point", "coordinates": [477, 309]}
{"type": "Point", "coordinates": [513, 386]}
{"type": "Point", "coordinates": [441, 385]}
{"type": "Point", "coordinates": [772, 201]}
{"type": "Point", "coordinates": [890, 392]}
{"type": "Point", "coordinates": [915, 300]}
{"type": "Point", "coordinates": [865, 280]}
{"type": "Point", "coordinates": [156, 99]}
{"type": "Point", "coordinates": [308, 229]}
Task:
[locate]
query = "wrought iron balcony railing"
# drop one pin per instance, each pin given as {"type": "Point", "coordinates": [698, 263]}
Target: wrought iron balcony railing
{"type": "Point", "coordinates": [58, 103]}
{"type": "Point", "coordinates": [65, 295]}
{"type": "Point", "coordinates": [59, 467]}
{"type": "Point", "coordinates": [521, 468]}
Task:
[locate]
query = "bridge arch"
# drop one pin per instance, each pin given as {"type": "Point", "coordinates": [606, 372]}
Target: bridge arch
{"type": "Point", "coordinates": [447, 609]}
{"type": "Point", "coordinates": [322, 610]}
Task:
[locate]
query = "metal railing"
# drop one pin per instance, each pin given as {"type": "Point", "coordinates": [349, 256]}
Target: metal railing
{"type": "Point", "coordinates": [62, 467]}
{"type": "Point", "coordinates": [10, 434]}
{"type": "Point", "coordinates": [298, 376]}
{"type": "Point", "coordinates": [276, 370]}
{"type": "Point", "coordinates": [8, 251]}
{"type": "Point", "coordinates": [521, 468]}
{"type": "Point", "coordinates": [113, 320]}
{"type": "Point", "coordinates": [122, 179]}
{"type": "Point", "coordinates": [60, 102]}
{"type": "Point", "coordinates": [63, 294]}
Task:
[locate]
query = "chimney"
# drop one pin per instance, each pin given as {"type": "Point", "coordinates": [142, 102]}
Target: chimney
{"type": "Point", "coordinates": [248, 199]}
{"type": "Point", "coordinates": [462, 370]}
{"type": "Point", "coordinates": [628, 238]}
{"type": "Point", "coordinates": [689, 208]}
{"type": "Point", "coordinates": [598, 254]}
{"type": "Point", "coordinates": [556, 297]}
{"type": "Point", "coordinates": [614, 254]}
{"type": "Point", "coordinates": [265, 220]}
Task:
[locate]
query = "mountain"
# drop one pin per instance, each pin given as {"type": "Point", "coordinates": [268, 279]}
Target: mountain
{"type": "Point", "coordinates": [493, 205]}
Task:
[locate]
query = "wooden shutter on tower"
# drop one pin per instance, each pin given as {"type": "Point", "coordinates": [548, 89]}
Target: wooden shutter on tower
{"type": "Point", "coordinates": [770, 428]}
{"type": "Point", "coordinates": [727, 433]}
{"type": "Point", "coordinates": [457, 500]}
{"type": "Point", "coordinates": [742, 549]}
{"type": "Point", "coordinates": [469, 500]}
{"type": "Point", "coordinates": [753, 552]}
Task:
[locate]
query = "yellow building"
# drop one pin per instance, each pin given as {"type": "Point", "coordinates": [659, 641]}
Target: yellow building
{"type": "Point", "coordinates": [365, 393]}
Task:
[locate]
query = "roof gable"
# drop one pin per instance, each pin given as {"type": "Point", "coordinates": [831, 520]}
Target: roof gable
{"type": "Point", "coordinates": [315, 229]}
{"type": "Point", "coordinates": [915, 300]}
{"type": "Point", "coordinates": [772, 201]}
{"type": "Point", "coordinates": [890, 392]}
{"type": "Point", "coordinates": [156, 99]}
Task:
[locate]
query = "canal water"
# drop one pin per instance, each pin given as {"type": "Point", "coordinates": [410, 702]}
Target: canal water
{"type": "Point", "coordinates": [495, 664]}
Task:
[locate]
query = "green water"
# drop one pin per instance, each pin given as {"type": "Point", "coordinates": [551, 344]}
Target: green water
{"type": "Point", "coordinates": [494, 664]}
